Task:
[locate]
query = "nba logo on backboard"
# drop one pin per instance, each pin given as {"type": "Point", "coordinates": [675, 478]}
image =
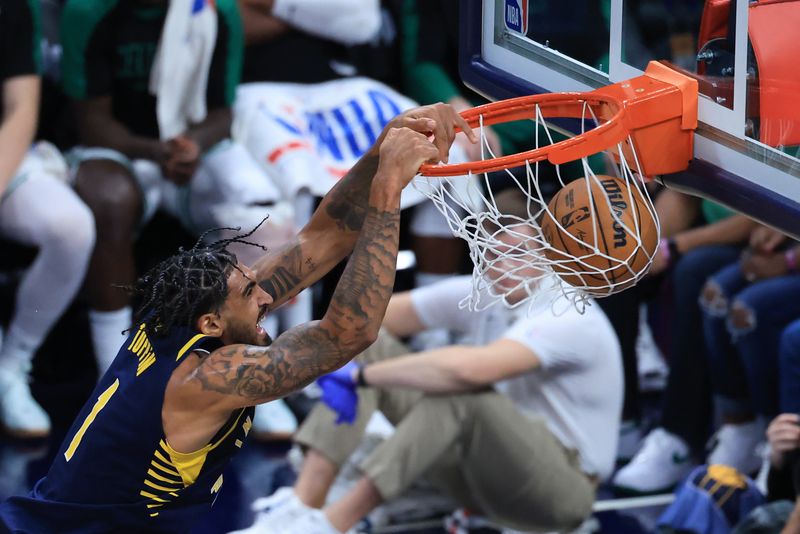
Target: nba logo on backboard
{"type": "Point", "coordinates": [516, 14]}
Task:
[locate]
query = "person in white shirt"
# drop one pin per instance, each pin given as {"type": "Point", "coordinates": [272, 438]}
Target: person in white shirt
{"type": "Point", "coordinates": [518, 421]}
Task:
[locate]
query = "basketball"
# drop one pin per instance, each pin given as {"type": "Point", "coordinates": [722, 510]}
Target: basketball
{"type": "Point", "coordinates": [578, 219]}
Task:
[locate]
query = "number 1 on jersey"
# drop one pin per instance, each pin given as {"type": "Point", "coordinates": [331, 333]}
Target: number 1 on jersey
{"type": "Point", "coordinates": [102, 400]}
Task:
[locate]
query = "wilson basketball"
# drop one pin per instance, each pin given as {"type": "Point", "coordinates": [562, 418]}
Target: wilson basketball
{"type": "Point", "coordinates": [588, 245]}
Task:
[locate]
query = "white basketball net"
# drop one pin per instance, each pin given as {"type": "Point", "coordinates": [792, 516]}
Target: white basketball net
{"type": "Point", "coordinates": [505, 271]}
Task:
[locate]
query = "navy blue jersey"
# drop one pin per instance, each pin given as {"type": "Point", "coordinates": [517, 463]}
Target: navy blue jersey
{"type": "Point", "coordinates": [115, 471]}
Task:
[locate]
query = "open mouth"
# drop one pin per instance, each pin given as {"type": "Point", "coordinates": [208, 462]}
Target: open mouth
{"type": "Point", "coordinates": [261, 316]}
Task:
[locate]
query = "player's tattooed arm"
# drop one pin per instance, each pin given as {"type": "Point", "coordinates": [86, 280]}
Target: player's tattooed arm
{"type": "Point", "coordinates": [333, 229]}
{"type": "Point", "coordinates": [249, 375]}
{"type": "Point", "coordinates": [325, 241]}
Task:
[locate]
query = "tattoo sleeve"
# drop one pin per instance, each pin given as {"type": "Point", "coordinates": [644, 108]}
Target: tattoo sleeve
{"type": "Point", "coordinates": [347, 202]}
{"type": "Point", "coordinates": [286, 272]}
{"type": "Point", "coordinates": [327, 239]}
{"type": "Point", "coordinates": [258, 374]}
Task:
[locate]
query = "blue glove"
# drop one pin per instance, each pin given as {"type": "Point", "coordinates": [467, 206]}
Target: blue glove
{"type": "Point", "coordinates": [339, 393]}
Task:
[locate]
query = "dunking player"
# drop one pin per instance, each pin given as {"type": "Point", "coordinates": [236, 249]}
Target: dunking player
{"type": "Point", "coordinates": [147, 451]}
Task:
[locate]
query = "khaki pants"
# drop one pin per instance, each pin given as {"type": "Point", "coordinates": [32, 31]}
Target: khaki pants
{"type": "Point", "coordinates": [476, 447]}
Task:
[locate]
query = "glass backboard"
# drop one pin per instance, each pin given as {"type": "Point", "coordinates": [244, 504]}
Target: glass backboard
{"type": "Point", "coordinates": [742, 52]}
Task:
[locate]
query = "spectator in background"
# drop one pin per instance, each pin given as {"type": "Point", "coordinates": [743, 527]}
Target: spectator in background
{"type": "Point", "coordinates": [37, 208]}
{"type": "Point", "coordinates": [430, 57]}
{"type": "Point", "coordinates": [692, 253]}
{"type": "Point", "coordinates": [526, 400]}
{"type": "Point", "coordinates": [746, 307]}
{"type": "Point", "coordinates": [130, 164]}
{"type": "Point", "coordinates": [783, 436]}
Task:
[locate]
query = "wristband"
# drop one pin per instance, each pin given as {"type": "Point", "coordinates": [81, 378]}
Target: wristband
{"type": "Point", "coordinates": [663, 247]}
{"type": "Point", "coordinates": [360, 380]}
{"type": "Point", "coordinates": [791, 260]}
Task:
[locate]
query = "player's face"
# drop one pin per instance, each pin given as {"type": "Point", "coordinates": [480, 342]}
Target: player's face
{"type": "Point", "coordinates": [246, 306]}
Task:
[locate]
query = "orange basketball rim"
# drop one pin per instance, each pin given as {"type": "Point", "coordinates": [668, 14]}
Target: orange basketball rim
{"type": "Point", "coordinates": [657, 112]}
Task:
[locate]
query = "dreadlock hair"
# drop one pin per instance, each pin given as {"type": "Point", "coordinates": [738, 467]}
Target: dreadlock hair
{"type": "Point", "coordinates": [177, 291]}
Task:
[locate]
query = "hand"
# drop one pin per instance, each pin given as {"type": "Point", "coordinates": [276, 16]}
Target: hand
{"type": "Point", "coordinates": [764, 240]}
{"type": "Point", "coordinates": [402, 152]}
{"type": "Point", "coordinates": [760, 266]}
{"type": "Point", "coordinates": [472, 149]}
{"type": "Point", "coordinates": [182, 159]}
{"type": "Point", "coordinates": [437, 120]}
{"type": "Point", "coordinates": [339, 392]}
{"type": "Point", "coordinates": [783, 434]}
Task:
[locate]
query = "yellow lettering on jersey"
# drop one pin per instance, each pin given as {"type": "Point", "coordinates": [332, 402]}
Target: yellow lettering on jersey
{"type": "Point", "coordinates": [143, 349]}
{"type": "Point", "coordinates": [155, 514]}
{"type": "Point", "coordinates": [247, 425]}
{"type": "Point", "coordinates": [144, 364]}
{"type": "Point", "coordinates": [136, 338]}
{"type": "Point", "coordinates": [217, 485]}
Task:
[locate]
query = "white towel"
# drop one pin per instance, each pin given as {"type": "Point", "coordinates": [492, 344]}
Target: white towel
{"type": "Point", "coordinates": [179, 76]}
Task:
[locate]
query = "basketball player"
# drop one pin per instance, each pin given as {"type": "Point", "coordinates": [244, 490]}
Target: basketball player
{"type": "Point", "coordinates": [147, 451]}
{"type": "Point", "coordinates": [518, 421]}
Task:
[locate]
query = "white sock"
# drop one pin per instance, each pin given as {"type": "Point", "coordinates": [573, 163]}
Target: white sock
{"type": "Point", "coordinates": [17, 350]}
{"type": "Point", "coordinates": [426, 279]}
{"type": "Point", "coordinates": [107, 336]}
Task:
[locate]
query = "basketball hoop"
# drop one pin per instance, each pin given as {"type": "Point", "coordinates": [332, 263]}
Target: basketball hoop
{"type": "Point", "coordinates": [641, 127]}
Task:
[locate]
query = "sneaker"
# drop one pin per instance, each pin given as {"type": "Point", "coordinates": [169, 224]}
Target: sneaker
{"type": "Point", "coordinates": [630, 439]}
{"type": "Point", "coordinates": [662, 462]}
{"type": "Point", "coordinates": [274, 421]}
{"type": "Point", "coordinates": [283, 499]}
{"type": "Point", "coordinates": [313, 521]}
{"type": "Point", "coordinates": [20, 414]}
{"type": "Point", "coordinates": [737, 446]}
{"type": "Point", "coordinates": [275, 511]}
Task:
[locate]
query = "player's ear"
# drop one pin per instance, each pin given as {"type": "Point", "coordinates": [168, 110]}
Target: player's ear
{"type": "Point", "coordinates": [210, 324]}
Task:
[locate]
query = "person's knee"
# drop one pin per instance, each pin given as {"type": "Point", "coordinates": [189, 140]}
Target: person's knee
{"type": "Point", "coordinates": [742, 318]}
{"type": "Point", "coordinates": [713, 300]}
{"type": "Point", "coordinates": [110, 191]}
{"type": "Point", "coordinates": [570, 515]}
{"type": "Point", "coordinates": [72, 229]}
